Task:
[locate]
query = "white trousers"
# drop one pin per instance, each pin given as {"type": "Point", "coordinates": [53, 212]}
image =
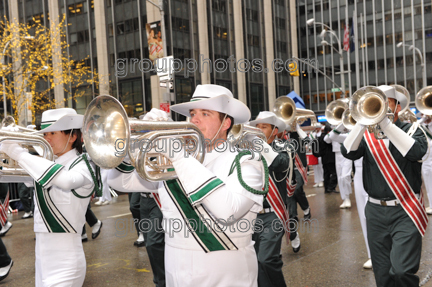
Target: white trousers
{"type": "Point", "coordinates": [361, 198]}
{"type": "Point", "coordinates": [318, 171]}
{"type": "Point", "coordinates": [60, 260]}
{"type": "Point", "coordinates": [184, 267]}
{"type": "Point", "coordinates": [106, 194]}
{"type": "Point", "coordinates": [343, 171]}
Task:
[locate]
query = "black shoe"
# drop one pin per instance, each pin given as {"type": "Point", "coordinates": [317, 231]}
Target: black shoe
{"type": "Point", "coordinates": [5, 229]}
{"type": "Point", "coordinates": [296, 249]}
{"type": "Point", "coordinates": [139, 243]}
{"type": "Point", "coordinates": [328, 191]}
{"type": "Point", "coordinates": [96, 234]}
{"type": "Point", "coordinates": [307, 216]}
{"type": "Point", "coordinates": [84, 238]}
{"type": "Point", "coordinates": [335, 191]}
{"type": "Point", "coordinates": [4, 272]}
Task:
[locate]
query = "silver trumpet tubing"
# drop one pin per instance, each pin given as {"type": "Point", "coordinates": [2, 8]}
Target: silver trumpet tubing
{"type": "Point", "coordinates": [286, 110]}
{"type": "Point", "coordinates": [369, 106]}
{"type": "Point", "coordinates": [335, 110]}
{"type": "Point", "coordinates": [347, 120]}
{"type": "Point", "coordinates": [27, 139]}
{"type": "Point", "coordinates": [423, 101]}
{"type": "Point", "coordinates": [239, 132]}
{"type": "Point", "coordinates": [109, 136]}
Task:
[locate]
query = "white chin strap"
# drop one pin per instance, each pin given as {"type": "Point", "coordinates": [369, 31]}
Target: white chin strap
{"type": "Point", "coordinates": [211, 142]}
{"type": "Point", "coordinates": [66, 143]}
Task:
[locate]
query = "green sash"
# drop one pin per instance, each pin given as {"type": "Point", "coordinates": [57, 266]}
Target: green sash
{"type": "Point", "coordinates": [206, 231]}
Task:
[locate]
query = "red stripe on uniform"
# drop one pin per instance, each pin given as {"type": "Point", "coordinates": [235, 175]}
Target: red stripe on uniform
{"type": "Point", "coordinates": [398, 183]}
{"type": "Point", "coordinates": [275, 200]}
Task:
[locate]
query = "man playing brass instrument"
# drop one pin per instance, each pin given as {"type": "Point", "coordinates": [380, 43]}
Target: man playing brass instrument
{"type": "Point", "coordinates": [210, 210]}
{"type": "Point", "coordinates": [395, 214]}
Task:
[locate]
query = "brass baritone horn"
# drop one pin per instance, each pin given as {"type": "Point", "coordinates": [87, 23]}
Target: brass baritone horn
{"type": "Point", "coordinates": [25, 138]}
{"type": "Point", "coordinates": [237, 135]}
{"type": "Point", "coordinates": [285, 109]}
{"type": "Point", "coordinates": [109, 136]}
{"type": "Point", "coordinates": [335, 110]}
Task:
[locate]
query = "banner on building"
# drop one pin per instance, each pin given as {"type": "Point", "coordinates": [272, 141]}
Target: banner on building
{"type": "Point", "coordinates": [154, 40]}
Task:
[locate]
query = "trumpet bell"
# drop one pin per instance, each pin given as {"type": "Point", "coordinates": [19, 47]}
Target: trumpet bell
{"type": "Point", "coordinates": [368, 106]}
{"type": "Point", "coordinates": [335, 110]}
{"type": "Point", "coordinates": [423, 101]}
{"type": "Point", "coordinates": [347, 120]}
{"type": "Point", "coordinates": [106, 131]}
{"type": "Point", "coordinates": [285, 109]}
{"type": "Point", "coordinates": [240, 131]}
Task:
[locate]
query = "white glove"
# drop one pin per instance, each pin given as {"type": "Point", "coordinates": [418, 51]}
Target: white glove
{"type": "Point", "coordinates": [157, 115]}
{"type": "Point", "coordinates": [301, 132]}
{"type": "Point", "coordinates": [268, 153]}
{"type": "Point", "coordinates": [14, 151]}
{"type": "Point", "coordinates": [340, 128]}
{"type": "Point", "coordinates": [354, 138]}
{"type": "Point", "coordinates": [173, 149]}
{"type": "Point", "coordinates": [10, 129]}
{"type": "Point", "coordinates": [402, 141]}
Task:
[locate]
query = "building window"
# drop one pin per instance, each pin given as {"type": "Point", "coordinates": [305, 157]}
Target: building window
{"type": "Point", "coordinates": [120, 28]}
{"type": "Point", "coordinates": [219, 5]}
{"type": "Point", "coordinates": [73, 38]}
{"type": "Point", "coordinates": [280, 22]}
{"type": "Point", "coordinates": [252, 15]}
{"type": "Point", "coordinates": [110, 30]}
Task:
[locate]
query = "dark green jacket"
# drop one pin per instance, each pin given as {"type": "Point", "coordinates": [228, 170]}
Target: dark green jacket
{"type": "Point", "coordinates": [373, 181]}
{"type": "Point", "coordinates": [277, 171]}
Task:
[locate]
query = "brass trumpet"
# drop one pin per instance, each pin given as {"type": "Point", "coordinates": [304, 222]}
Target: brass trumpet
{"type": "Point", "coordinates": [423, 101]}
{"type": "Point", "coordinates": [285, 109]}
{"type": "Point", "coordinates": [347, 120]}
{"type": "Point", "coordinates": [239, 132]}
{"type": "Point", "coordinates": [109, 136]}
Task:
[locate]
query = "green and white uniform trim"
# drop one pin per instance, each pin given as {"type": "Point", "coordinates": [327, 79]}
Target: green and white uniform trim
{"type": "Point", "coordinates": [205, 189]}
{"type": "Point", "coordinates": [206, 230]}
{"type": "Point", "coordinates": [52, 217]}
{"type": "Point", "coordinates": [125, 167]}
{"type": "Point", "coordinates": [49, 174]}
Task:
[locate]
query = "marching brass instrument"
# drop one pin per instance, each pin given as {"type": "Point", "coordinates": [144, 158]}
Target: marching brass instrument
{"type": "Point", "coordinates": [239, 132]}
{"type": "Point", "coordinates": [335, 110]}
{"type": "Point", "coordinates": [423, 101]}
{"type": "Point", "coordinates": [369, 106]}
{"type": "Point", "coordinates": [285, 109]}
{"type": "Point", "coordinates": [109, 136]}
{"type": "Point", "coordinates": [27, 139]}
{"type": "Point", "coordinates": [347, 120]}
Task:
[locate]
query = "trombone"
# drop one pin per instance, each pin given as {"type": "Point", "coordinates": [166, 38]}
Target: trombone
{"type": "Point", "coordinates": [285, 108]}
{"type": "Point", "coordinates": [109, 136]}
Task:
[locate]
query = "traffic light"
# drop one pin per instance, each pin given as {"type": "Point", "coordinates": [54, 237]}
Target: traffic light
{"type": "Point", "coordinates": [293, 69]}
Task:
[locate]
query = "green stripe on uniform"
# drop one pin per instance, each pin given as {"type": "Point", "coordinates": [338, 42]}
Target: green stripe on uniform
{"type": "Point", "coordinates": [50, 173]}
{"type": "Point", "coordinates": [205, 235]}
{"type": "Point", "coordinates": [54, 225]}
{"type": "Point", "coordinates": [125, 168]}
{"type": "Point", "coordinates": [206, 190]}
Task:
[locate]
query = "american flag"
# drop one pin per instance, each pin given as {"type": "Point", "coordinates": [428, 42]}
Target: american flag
{"type": "Point", "coordinates": [346, 41]}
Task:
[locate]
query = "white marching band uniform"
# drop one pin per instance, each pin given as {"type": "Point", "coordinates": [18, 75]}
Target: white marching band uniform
{"type": "Point", "coordinates": [318, 168]}
{"type": "Point", "coordinates": [186, 264]}
{"type": "Point", "coordinates": [343, 165]}
{"type": "Point", "coordinates": [62, 194]}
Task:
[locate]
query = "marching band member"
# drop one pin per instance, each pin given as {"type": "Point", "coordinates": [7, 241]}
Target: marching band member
{"type": "Point", "coordinates": [6, 261]}
{"type": "Point", "coordinates": [427, 162]}
{"type": "Point", "coordinates": [396, 218]}
{"type": "Point", "coordinates": [273, 220]}
{"type": "Point", "coordinates": [318, 168]}
{"type": "Point", "coordinates": [343, 165]}
{"type": "Point", "coordinates": [205, 244]}
{"type": "Point", "coordinates": [63, 190]}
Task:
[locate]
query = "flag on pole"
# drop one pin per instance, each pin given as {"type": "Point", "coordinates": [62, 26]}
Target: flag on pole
{"type": "Point", "coordinates": [346, 41]}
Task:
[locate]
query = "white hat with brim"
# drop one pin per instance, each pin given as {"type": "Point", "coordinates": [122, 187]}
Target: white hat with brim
{"type": "Point", "coordinates": [268, 118]}
{"type": "Point", "coordinates": [391, 92]}
{"type": "Point", "coordinates": [60, 120]}
{"type": "Point", "coordinates": [215, 98]}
